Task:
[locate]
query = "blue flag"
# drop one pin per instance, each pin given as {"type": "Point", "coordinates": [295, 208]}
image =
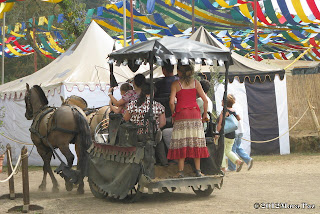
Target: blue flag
{"type": "Point", "coordinates": [150, 6]}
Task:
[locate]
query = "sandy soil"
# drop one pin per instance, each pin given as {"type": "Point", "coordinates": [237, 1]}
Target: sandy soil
{"type": "Point", "coordinates": [291, 179]}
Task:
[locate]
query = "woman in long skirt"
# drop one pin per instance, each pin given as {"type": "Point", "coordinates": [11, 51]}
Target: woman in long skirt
{"type": "Point", "coordinates": [188, 138]}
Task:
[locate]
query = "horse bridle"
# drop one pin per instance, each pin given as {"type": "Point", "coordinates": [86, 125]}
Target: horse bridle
{"type": "Point", "coordinates": [27, 99]}
{"type": "Point", "coordinates": [29, 103]}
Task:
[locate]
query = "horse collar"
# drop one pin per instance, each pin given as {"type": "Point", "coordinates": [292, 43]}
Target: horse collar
{"type": "Point", "coordinates": [40, 110]}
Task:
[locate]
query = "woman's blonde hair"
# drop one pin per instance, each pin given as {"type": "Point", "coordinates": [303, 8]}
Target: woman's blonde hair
{"type": "Point", "coordinates": [230, 100]}
{"type": "Point", "coordinates": [187, 72]}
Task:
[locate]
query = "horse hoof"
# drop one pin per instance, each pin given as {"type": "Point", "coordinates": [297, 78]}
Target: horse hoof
{"type": "Point", "coordinates": [69, 186]}
{"type": "Point", "coordinates": [42, 188]}
{"type": "Point", "coordinates": [80, 191]}
{"type": "Point", "coordinates": [55, 189]}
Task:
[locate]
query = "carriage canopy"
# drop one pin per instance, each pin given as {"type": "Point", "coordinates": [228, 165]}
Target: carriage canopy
{"type": "Point", "coordinates": [170, 49]}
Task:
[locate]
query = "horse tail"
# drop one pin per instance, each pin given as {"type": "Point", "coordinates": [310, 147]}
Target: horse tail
{"type": "Point", "coordinates": [85, 140]}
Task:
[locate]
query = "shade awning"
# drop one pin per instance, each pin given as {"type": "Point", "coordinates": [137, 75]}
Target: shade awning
{"type": "Point", "coordinates": [179, 47]}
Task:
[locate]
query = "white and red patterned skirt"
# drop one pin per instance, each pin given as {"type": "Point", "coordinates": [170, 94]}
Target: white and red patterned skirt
{"type": "Point", "coordinates": [188, 138]}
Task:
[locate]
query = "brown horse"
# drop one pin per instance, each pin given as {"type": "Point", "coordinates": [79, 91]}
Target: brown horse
{"type": "Point", "coordinates": [94, 115]}
{"type": "Point", "coordinates": [57, 128]}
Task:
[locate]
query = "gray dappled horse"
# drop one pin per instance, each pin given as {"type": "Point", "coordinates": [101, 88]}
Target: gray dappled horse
{"type": "Point", "coordinates": [60, 127]}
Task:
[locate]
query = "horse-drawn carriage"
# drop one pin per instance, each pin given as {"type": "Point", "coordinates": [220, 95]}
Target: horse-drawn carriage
{"type": "Point", "coordinates": [121, 164]}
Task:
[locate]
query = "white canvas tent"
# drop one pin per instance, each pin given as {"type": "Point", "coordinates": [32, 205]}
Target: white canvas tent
{"type": "Point", "coordinates": [82, 70]}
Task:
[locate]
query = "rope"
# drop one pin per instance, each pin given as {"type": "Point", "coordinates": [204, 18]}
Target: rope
{"type": "Point", "coordinates": [301, 55]}
{"type": "Point", "coordinates": [23, 143]}
{"type": "Point", "coordinates": [17, 166]}
{"type": "Point", "coordinates": [265, 141]}
{"type": "Point", "coordinates": [22, 157]}
{"type": "Point", "coordinates": [31, 150]}
{"type": "Point", "coordinates": [14, 170]}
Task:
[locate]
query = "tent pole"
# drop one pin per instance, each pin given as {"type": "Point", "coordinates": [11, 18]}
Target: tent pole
{"type": "Point", "coordinates": [124, 23]}
{"type": "Point", "coordinates": [255, 31]}
{"type": "Point", "coordinates": [192, 16]}
{"type": "Point", "coordinates": [3, 45]}
{"type": "Point", "coordinates": [131, 21]}
{"type": "Point", "coordinates": [34, 43]}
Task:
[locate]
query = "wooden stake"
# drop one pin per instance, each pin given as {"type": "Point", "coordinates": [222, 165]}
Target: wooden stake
{"type": "Point", "coordinates": [12, 195]}
{"type": "Point", "coordinates": [314, 117]}
{"type": "Point", "coordinates": [25, 180]}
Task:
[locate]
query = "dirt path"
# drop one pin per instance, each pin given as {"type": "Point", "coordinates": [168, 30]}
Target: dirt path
{"type": "Point", "coordinates": [292, 179]}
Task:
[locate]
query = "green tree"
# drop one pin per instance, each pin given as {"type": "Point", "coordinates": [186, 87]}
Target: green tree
{"type": "Point", "coordinates": [74, 24]}
{"type": "Point", "coordinates": [74, 13]}
{"type": "Point", "coordinates": [95, 3]}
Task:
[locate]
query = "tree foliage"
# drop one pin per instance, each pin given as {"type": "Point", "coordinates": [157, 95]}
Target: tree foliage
{"type": "Point", "coordinates": [74, 13]}
{"type": "Point", "coordinates": [74, 19]}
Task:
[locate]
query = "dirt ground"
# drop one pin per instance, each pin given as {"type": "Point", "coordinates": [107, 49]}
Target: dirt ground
{"type": "Point", "coordinates": [292, 179]}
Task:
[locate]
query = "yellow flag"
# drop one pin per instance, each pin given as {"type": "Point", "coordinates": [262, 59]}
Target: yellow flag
{"type": "Point", "coordinates": [17, 27]}
{"type": "Point", "coordinates": [41, 20]}
{"type": "Point", "coordinates": [168, 2]}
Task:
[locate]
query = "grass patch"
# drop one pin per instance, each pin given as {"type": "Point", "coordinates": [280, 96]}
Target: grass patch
{"type": "Point", "coordinates": [305, 144]}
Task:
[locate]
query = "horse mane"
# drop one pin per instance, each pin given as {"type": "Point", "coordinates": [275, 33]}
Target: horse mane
{"type": "Point", "coordinates": [76, 100]}
{"type": "Point", "coordinates": [41, 94]}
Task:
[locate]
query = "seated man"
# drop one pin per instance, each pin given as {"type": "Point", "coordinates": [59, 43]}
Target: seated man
{"type": "Point", "coordinates": [163, 87]}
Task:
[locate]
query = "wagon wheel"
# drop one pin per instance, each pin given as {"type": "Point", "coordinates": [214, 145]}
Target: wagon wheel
{"type": "Point", "coordinates": [96, 190]}
{"type": "Point", "coordinates": [202, 193]}
{"type": "Point", "coordinates": [133, 195]}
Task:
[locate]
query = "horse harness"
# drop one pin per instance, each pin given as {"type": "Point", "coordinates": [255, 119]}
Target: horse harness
{"type": "Point", "coordinates": [35, 126]}
{"type": "Point", "coordinates": [95, 112]}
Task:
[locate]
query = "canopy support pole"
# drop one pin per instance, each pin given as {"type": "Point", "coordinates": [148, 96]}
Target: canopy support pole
{"type": "Point", "coordinates": [151, 125]}
{"type": "Point", "coordinates": [224, 111]}
{"type": "Point", "coordinates": [255, 31]}
{"type": "Point", "coordinates": [124, 23]}
{"type": "Point", "coordinates": [3, 45]}
{"type": "Point", "coordinates": [131, 21]}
